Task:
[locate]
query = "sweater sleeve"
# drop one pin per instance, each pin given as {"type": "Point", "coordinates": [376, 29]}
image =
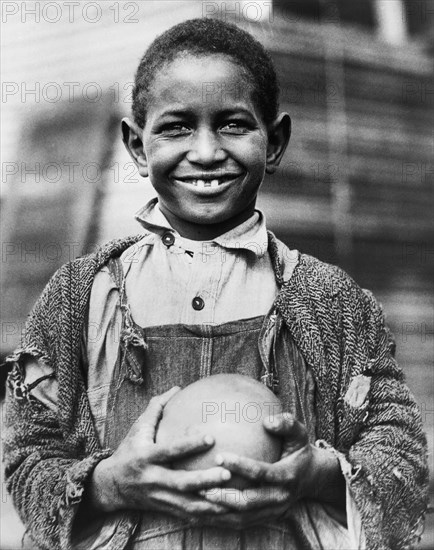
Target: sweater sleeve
{"type": "Point", "coordinates": [47, 465]}
{"type": "Point", "coordinates": [388, 455]}
{"type": "Point", "coordinates": [44, 475]}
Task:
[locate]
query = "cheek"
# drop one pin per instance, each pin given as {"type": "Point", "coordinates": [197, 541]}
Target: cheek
{"type": "Point", "coordinates": [162, 154]}
{"type": "Point", "coordinates": [254, 151]}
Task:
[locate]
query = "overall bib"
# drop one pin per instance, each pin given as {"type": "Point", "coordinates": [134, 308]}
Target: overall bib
{"type": "Point", "coordinates": [152, 360]}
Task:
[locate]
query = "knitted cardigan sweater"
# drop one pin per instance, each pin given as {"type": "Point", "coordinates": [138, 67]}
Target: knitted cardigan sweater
{"type": "Point", "coordinates": [338, 327]}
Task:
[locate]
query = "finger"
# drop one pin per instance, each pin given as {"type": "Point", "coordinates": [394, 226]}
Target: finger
{"type": "Point", "coordinates": [254, 470]}
{"type": "Point", "coordinates": [187, 482]}
{"type": "Point", "coordinates": [248, 499]}
{"type": "Point", "coordinates": [146, 424]}
{"type": "Point", "coordinates": [189, 445]}
{"type": "Point", "coordinates": [289, 428]}
{"type": "Point", "coordinates": [242, 520]}
{"type": "Point", "coordinates": [184, 505]}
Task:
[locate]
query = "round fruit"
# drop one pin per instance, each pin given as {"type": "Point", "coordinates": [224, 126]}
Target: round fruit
{"type": "Point", "coordinates": [231, 408]}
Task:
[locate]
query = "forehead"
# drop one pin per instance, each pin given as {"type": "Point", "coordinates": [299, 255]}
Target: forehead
{"type": "Point", "coordinates": [205, 81]}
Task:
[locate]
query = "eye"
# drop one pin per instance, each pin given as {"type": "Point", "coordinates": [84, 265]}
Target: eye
{"type": "Point", "coordinates": [235, 127]}
{"type": "Point", "coordinates": [175, 129]}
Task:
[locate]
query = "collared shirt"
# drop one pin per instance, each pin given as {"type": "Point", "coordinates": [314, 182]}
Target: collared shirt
{"type": "Point", "coordinates": [198, 282]}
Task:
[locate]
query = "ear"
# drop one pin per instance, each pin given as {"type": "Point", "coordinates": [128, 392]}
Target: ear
{"type": "Point", "coordinates": [132, 138]}
{"type": "Point", "coordinates": [279, 133]}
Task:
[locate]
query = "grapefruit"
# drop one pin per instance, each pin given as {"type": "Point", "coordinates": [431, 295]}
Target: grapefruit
{"type": "Point", "coordinates": [231, 408]}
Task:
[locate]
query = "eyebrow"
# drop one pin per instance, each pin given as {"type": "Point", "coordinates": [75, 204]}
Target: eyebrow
{"type": "Point", "coordinates": [236, 110]}
{"type": "Point", "coordinates": [188, 112]}
{"type": "Point", "coordinates": [175, 113]}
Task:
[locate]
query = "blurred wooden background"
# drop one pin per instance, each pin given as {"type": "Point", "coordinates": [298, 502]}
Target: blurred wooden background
{"type": "Point", "coordinates": [355, 187]}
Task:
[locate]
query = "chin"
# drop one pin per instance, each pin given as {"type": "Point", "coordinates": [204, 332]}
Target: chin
{"type": "Point", "coordinates": [206, 218]}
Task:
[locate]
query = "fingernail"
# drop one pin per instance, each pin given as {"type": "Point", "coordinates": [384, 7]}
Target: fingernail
{"type": "Point", "coordinates": [208, 440]}
{"type": "Point", "coordinates": [273, 421]}
{"type": "Point", "coordinates": [219, 460]}
{"type": "Point", "coordinates": [226, 475]}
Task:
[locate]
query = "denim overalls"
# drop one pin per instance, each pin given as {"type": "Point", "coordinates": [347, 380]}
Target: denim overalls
{"type": "Point", "coordinates": [152, 360]}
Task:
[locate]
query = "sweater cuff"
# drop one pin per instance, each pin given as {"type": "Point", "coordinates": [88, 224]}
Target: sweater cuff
{"type": "Point", "coordinates": [76, 478]}
{"type": "Point", "coordinates": [356, 532]}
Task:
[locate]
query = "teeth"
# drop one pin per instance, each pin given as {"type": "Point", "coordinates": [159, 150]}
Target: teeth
{"type": "Point", "coordinates": [204, 183]}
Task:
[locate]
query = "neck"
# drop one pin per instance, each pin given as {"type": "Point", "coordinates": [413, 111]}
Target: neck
{"type": "Point", "coordinates": [206, 232]}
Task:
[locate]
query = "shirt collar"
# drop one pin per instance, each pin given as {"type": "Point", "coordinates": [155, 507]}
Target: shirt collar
{"type": "Point", "coordinates": [250, 235]}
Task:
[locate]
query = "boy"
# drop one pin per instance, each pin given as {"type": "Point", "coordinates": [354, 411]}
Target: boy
{"type": "Point", "coordinates": [193, 297]}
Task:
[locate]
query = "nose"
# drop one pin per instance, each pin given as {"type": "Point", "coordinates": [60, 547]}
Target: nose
{"type": "Point", "coordinates": [205, 148]}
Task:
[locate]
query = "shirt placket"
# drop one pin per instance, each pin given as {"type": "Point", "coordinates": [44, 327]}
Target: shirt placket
{"type": "Point", "coordinates": [202, 288]}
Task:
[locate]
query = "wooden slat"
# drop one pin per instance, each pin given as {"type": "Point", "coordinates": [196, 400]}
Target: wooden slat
{"type": "Point", "coordinates": [54, 214]}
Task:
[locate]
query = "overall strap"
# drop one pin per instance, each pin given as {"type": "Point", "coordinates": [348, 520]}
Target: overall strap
{"type": "Point", "coordinates": [114, 266]}
{"type": "Point", "coordinates": [132, 344]}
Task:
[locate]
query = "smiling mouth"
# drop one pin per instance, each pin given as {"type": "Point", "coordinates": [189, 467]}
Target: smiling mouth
{"type": "Point", "coordinates": [211, 183]}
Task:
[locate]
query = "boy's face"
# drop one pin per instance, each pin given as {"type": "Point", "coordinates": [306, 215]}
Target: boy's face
{"type": "Point", "coordinates": [205, 146]}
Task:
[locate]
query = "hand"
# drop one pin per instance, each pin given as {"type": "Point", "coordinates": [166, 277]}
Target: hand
{"type": "Point", "coordinates": [137, 475]}
{"type": "Point", "coordinates": [304, 471]}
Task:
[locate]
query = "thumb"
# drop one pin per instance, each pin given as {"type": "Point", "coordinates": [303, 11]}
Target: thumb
{"type": "Point", "coordinates": [147, 422]}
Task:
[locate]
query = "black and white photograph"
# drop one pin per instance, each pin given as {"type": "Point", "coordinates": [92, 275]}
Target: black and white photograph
{"type": "Point", "coordinates": [217, 275]}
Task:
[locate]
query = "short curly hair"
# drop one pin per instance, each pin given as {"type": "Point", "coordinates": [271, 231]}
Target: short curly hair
{"type": "Point", "coordinates": [205, 37]}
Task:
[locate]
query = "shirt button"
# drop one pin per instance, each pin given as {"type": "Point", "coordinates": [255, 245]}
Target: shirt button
{"type": "Point", "coordinates": [198, 303]}
{"type": "Point", "coordinates": [168, 239]}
